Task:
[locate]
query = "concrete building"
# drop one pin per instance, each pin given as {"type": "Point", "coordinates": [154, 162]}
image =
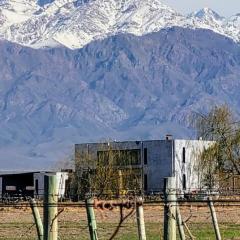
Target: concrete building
{"type": "Point", "coordinates": [29, 184]}
{"type": "Point", "coordinates": [155, 160]}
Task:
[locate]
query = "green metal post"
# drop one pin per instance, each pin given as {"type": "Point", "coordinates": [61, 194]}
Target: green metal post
{"type": "Point", "coordinates": [92, 224]}
{"type": "Point", "coordinates": [37, 218]}
{"type": "Point", "coordinates": [50, 208]}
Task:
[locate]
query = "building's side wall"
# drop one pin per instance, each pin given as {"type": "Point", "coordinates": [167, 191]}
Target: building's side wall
{"type": "Point", "coordinates": [86, 155]}
{"type": "Point", "coordinates": [39, 191]}
{"type": "Point", "coordinates": [190, 168]}
{"type": "Point", "coordinates": [62, 177]}
{"type": "Point", "coordinates": [159, 163]}
{"type": "Point", "coordinates": [61, 183]}
{"type": "Point", "coordinates": [90, 150]}
{"type": "Point", "coordinates": [159, 159]}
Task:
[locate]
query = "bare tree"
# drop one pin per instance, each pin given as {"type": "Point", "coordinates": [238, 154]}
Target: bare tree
{"type": "Point", "coordinates": [222, 159]}
{"type": "Point", "coordinates": [109, 173]}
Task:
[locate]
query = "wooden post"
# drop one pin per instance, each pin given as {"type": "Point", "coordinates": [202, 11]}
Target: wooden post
{"type": "Point", "coordinates": [214, 219]}
{"type": "Point", "coordinates": [50, 208]}
{"type": "Point", "coordinates": [140, 219]}
{"type": "Point", "coordinates": [92, 224]}
{"type": "Point", "coordinates": [180, 223]}
{"type": "Point", "coordinates": [170, 209]}
{"type": "Point", "coordinates": [120, 183]}
{"type": "Point", "coordinates": [37, 218]}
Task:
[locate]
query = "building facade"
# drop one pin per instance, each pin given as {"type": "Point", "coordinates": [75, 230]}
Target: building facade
{"type": "Point", "coordinates": [154, 159]}
{"type": "Point", "coordinates": [29, 184]}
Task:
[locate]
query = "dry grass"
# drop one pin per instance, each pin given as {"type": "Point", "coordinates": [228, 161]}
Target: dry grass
{"type": "Point", "coordinates": [17, 224]}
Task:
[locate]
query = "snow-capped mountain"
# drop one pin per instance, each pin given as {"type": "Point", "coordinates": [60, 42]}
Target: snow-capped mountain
{"type": "Point", "coordinates": [208, 15]}
{"type": "Point", "coordinates": [16, 11]}
{"type": "Point", "coordinates": [84, 70]}
{"type": "Point", "coordinates": [75, 23]}
{"type": "Point", "coordinates": [122, 87]}
{"type": "Point", "coordinates": [208, 19]}
{"type": "Point", "coordinates": [232, 27]}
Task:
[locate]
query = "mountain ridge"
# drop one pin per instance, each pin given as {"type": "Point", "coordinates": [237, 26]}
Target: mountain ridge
{"type": "Point", "coordinates": [122, 87]}
{"type": "Point", "coordinates": [74, 24]}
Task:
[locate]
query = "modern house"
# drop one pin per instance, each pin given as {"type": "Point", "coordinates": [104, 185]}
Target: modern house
{"type": "Point", "coordinates": [154, 160]}
{"type": "Point", "coordinates": [29, 184]}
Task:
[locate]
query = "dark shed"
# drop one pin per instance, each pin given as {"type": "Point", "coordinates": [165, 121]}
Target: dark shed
{"type": "Point", "coordinates": [18, 184]}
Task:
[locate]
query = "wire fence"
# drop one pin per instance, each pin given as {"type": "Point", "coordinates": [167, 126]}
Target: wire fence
{"type": "Point", "coordinates": [16, 219]}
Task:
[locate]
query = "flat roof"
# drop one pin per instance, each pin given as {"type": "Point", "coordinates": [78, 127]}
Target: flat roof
{"type": "Point", "coordinates": [140, 141]}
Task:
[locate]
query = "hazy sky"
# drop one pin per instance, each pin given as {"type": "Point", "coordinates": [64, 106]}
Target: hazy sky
{"type": "Point", "coordinates": [223, 7]}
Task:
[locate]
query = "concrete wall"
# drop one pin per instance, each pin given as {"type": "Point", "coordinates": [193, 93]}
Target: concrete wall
{"type": "Point", "coordinates": [62, 177]}
{"type": "Point", "coordinates": [164, 159]}
{"type": "Point", "coordinates": [159, 158]}
{"type": "Point", "coordinates": [61, 183]}
{"type": "Point", "coordinates": [40, 192]}
{"type": "Point", "coordinates": [159, 163]}
{"type": "Point", "coordinates": [190, 168]}
{"type": "Point", "coordinates": [90, 149]}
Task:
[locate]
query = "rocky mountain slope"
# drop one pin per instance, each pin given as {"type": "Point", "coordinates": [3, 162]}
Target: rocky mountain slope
{"type": "Point", "coordinates": [75, 23]}
{"type": "Point", "coordinates": [122, 87]}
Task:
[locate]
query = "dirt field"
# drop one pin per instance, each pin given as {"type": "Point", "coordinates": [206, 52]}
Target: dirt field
{"type": "Point", "coordinates": [18, 224]}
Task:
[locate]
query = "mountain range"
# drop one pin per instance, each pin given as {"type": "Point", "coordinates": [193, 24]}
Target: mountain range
{"type": "Point", "coordinates": [75, 23]}
{"type": "Point", "coordinates": [77, 71]}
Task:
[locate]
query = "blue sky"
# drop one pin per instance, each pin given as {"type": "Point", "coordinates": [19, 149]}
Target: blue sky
{"type": "Point", "coordinates": [223, 7]}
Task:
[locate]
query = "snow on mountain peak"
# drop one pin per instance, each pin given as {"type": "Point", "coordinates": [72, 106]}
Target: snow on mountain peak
{"type": "Point", "coordinates": [75, 23]}
{"type": "Point", "coordinates": [208, 13]}
{"type": "Point", "coordinates": [209, 19]}
{"type": "Point", "coordinates": [235, 19]}
{"type": "Point", "coordinates": [232, 26]}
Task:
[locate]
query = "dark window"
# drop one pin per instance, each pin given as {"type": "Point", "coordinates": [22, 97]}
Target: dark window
{"type": "Point", "coordinates": [120, 157]}
{"type": "Point", "coordinates": [145, 156]}
{"type": "Point", "coordinates": [36, 186]}
{"type": "Point", "coordinates": [145, 182]}
{"type": "Point", "coordinates": [184, 155]}
{"type": "Point", "coordinates": [184, 182]}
